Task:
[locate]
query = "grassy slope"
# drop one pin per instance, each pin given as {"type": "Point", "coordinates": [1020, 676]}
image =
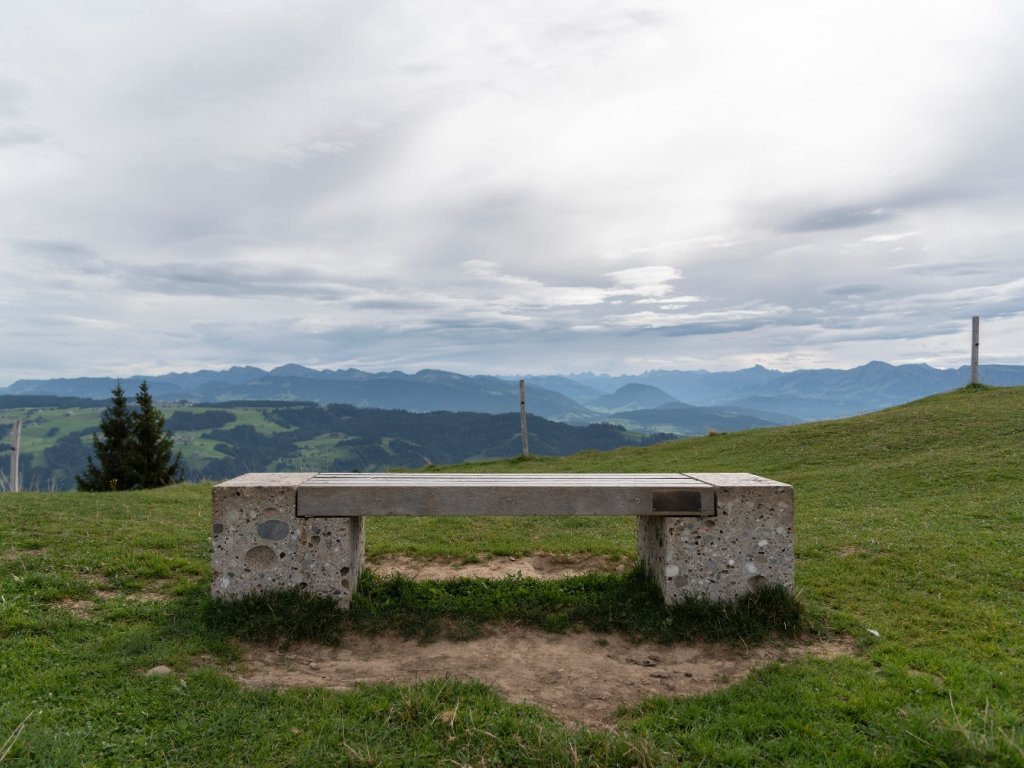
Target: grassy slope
{"type": "Point", "coordinates": [909, 523]}
{"type": "Point", "coordinates": [38, 423]}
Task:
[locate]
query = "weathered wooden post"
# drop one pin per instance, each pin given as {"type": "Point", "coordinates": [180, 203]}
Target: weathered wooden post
{"type": "Point", "coordinates": [975, 343]}
{"type": "Point", "coordinates": [15, 450]}
{"type": "Point", "coordinates": [522, 417]}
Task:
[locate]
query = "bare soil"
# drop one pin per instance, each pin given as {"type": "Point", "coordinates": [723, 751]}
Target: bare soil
{"type": "Point", "coordinates": [84, 608]}
{"type": "Point", "coordinates": [851, 550]}
{"type": "Point", "coordinates": [579, 678]}
{"type": "Point", "coordinates": [13, 553]}
{"type": "Point", "coordinates": [542, 565]}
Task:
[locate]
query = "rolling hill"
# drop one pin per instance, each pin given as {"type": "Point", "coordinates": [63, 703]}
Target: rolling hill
{"type": "Point", "coordinates": [908, 556]}
{"type": "Point", "coordinates": [631, 397]}
{"type": "Point", "coordinates": [223, 440]}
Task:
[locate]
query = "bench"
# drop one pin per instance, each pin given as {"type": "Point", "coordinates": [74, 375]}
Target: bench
{"type": "Point", "coordinates": [712, 535]}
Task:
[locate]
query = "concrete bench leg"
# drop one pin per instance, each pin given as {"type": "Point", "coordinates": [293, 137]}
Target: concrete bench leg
{"type": "Point", "coordinates": [747, 543]}
{"type": "Point", "coordinates": [260, 545]}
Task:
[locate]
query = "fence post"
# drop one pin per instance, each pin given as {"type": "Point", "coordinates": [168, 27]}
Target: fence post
{"type": "Point", "coordinates": [15, 450]}
{"type": "Point", "coordinates": [975, 343]}
{"type": "Point", "coordinates": [522, 417]}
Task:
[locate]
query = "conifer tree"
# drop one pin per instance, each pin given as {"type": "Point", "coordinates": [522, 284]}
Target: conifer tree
{"type": "Point", "coordinates": [155, 463]}
{"type": "Point", "coordinates": [135, 450]}
{"type": "Point", "coordinates": [113, 452]}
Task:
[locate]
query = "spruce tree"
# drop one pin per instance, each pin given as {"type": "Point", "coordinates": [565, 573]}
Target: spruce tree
{"type": "Point", "coordinates": [135, 450]}
{"type": "Point", "coordinates": [154, 461]}
{"type": "Point", "coordinates": [113, 451]}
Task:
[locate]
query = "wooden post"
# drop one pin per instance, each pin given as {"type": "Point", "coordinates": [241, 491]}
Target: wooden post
{"type": "Point", "coordinates": [15, 450]}
{"type": "Point", "coordinates": [522, 418]}
{"type": "Point", "coordinates": [975, 343]}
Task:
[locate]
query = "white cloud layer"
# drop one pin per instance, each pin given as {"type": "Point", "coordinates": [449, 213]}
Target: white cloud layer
{"type": "Point", "coordinates": [508, 187]}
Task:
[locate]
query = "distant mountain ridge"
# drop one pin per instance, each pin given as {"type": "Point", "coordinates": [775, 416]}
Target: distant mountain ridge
{"type": "Point", "coordinates": [806, 395]}
{"type": "Point", "coordinates": [763, 395]}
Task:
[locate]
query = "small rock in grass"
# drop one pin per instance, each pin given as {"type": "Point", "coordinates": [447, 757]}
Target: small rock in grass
{"type": "Point", "coordinates": [159, 671]}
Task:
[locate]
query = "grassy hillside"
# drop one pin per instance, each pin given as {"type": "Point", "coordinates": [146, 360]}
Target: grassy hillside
{"type": "Point", "coordinates": [264, 436]}
{"type": "Point", "coordinates": [909, 537]}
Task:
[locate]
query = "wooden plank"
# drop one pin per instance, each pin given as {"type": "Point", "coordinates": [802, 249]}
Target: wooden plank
{"type": "Point", "coordinates": [387, 479]}
{"type": "Point", "coordinates": [361, 495]}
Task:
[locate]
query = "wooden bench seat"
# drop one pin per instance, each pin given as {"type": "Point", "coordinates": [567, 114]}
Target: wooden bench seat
{"type": "Point", "coordinates": [363, 495]}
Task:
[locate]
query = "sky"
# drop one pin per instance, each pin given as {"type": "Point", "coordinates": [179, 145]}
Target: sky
{"type": "Point", "coordinates": [508, 187]}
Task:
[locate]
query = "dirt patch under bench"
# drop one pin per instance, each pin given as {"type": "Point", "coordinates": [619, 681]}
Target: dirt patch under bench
{"type": "Point", "coordinates": [580, 677]}
{"type": "Point", "coordinates": [541, 565]}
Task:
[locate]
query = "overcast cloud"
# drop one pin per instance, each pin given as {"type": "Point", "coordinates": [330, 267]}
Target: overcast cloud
{"type": "Point", "coordinates": [508, 187]}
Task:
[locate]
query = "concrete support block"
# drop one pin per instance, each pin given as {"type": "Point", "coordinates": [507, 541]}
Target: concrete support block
{"type": "Point", "coordinates": [259, 544]}
{"type": "Point", "coordinates": [748, 542]}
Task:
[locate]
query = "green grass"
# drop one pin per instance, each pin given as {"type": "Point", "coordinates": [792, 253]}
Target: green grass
{"type": "Point", "coordinates": [458, 608]}
{"type": "Point", "coordinates": [910, 523]}
{"type": "Point", "coordinates": [42, 427]}
{"type": "Point", "coordinates": [318, 453]}
{"type": "Point", "coordinates": [38, 423]}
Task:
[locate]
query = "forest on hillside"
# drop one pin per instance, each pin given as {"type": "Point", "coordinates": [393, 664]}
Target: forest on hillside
{"type": "Point", "coordinates": [219, 442]}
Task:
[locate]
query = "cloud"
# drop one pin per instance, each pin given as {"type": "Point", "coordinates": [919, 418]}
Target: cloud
{"type": "Point", "coordinates": [11, 135]}
{"type": "Point", "coordinates": [890, 238]}
{"type": "Point", "coordinates": [730, 319]}
{"type": "Point", "coordinates": [512, 184]}
{"type": "Point", "coordinates": [853, 289]}
{"type": "Point", "coordinates": [945, 268]}
{"type": "Point", "coordinates": [649, 282]}
{"type": "Point", "coordinates": [841, 218]}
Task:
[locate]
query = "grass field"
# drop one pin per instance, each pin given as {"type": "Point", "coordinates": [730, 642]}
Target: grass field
{"type": "Point", "coordinates": [909, 537]}
{"type": "Point", "coordinates": [42, 427]}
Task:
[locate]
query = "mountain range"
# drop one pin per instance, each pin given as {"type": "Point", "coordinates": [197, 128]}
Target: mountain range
{"type": "Point", "coordinates": [684, 402]}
